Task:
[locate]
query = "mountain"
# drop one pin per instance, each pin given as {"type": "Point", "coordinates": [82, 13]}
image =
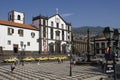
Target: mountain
{"type": "Point", "coordinates": [92, 30]}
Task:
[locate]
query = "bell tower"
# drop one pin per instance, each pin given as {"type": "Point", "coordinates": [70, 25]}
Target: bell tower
{"type": "Point", "coordinates": [41, 22]}
{"type": "Point", "coordinates": [15, 16]}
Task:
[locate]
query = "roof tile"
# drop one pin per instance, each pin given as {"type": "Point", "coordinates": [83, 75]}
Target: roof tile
{"type": "Point", "coordinates": [13, 24]}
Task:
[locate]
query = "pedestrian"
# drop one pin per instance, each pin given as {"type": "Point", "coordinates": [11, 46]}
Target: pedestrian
{"type": "Point", "coordinates": [74, 62]}
{"type": "Point", "coordinates": [39, 62]}
{"type": "Point", "coordinates": [62, 60]}
{"type": "Point", "coordinates": [59, 60]}
{"type": "Point", "coordinates": [12, 67]}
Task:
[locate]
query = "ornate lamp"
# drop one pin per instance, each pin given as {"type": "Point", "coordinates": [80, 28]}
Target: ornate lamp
{"type": "Point", "coordinates": [116, 35]}
{"type": "Point", "coordinates": [112, 34]}
{"type": "Point", "coordinates": [108, 33]}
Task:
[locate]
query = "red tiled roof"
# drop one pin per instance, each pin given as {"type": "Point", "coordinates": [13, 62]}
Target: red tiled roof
{"type": "Point", "coordinates": [13, 24]}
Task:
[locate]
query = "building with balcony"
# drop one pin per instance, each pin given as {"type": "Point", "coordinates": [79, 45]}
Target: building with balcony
{"type": "Point", "coordinates": [101, 44]}
{"type": "Point", "coordinates": [80, 45]}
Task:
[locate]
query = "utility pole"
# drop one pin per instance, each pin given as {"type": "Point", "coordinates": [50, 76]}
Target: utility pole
{"type": "Point", "coordinates": [88, 45]}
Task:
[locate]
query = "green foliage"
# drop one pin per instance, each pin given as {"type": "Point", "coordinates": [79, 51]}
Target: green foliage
{"type": "Point", "coordinates": [74, 50]}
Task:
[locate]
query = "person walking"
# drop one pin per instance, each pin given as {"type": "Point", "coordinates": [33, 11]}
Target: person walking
{"type": "Point", "coordinates": [12, 67]}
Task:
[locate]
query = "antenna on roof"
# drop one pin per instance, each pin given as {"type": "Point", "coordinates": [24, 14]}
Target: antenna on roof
{"type": "Point", "coordinates": [56, 10]}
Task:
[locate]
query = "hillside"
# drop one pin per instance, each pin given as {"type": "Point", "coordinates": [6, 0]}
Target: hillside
{"type": "Point", "coordinates": [93, 30]}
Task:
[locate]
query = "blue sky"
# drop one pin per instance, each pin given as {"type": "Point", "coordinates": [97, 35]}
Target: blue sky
{"type": "Point", "coordinates": [77, 12]}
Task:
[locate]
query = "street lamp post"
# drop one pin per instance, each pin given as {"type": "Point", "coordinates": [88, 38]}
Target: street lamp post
{"type": "Point", "coordinates": [108, 33]}
{"type": "Point", "coordinates": [111, 34]}
{"type": "Point", "coordinates": [94, 46]}
{"type": "Point", "coordinates": [70, 56]}
{"type": "Point", "coordinates": [23, 46]}
{"type": "Point", "coordinates": [116, 37]}
{"type": "Point", "coordinates": [70, 63]}
{"type": "Point", "coordinates": [88, 45]}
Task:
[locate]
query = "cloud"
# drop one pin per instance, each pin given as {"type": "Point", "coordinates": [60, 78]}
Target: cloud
{"type": "Point", "coordinates": [67, 14]}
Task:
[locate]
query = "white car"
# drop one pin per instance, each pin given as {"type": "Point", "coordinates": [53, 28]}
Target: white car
{"type": "Point", "coordinates": [117, 58]}
{"type": "Point", "coordinates": [98, 58]}
{"type": "Point", "coordinates": [81, 58]}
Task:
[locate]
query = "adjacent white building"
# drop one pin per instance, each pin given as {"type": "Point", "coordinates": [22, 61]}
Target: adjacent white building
{"type": "Point", "coordinates": [13, 34]}
{"type": "Point", "coordinates": [101, 44]}
{"type": "Point", "coordinates": [45, 35]}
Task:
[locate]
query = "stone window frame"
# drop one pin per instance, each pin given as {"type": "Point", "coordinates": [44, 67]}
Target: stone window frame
{"type": "Point", "coordinates": [28, 43]}
{"type": "Point", "coordinates": [10, 31]}
{"type": "Point", "coordinates": [18, 17]}
{"type": "Point", "coordinates": [9, 42]}
{"type": "Point", "coordinates": [21, 32]}
{"type": "Point", "coordinates": [32, 34]}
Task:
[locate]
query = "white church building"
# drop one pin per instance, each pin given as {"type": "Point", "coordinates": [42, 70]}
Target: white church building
{"type": "Point", "coordinates": [46, 35]}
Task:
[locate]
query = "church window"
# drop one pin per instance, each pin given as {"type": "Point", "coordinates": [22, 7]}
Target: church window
{"type": "Point", "coordinates": [10, 31]}
{"type": "Point", "coordinates": [52, 24]}
{"type": "Point", "coordinates": [28, 43]}
{"type": "Point", "coordinates": [18, 17]}
{"type": "Point", "coordinates": [32, 34]}
{"type": "Point", "coordinates": [62, 26]}
{"type": "Point", "coordinates": [51, 30]}
{"type": "Point", "coordinates": [68, 37]}
{"type": "Point", "coordinates": [20, 32]}
{"type": "Point", "coordinates": [9, 42]}
{"type": "Point", "coordinates": [21, 43]}
{"type": "Point", "coordinates": [44, 22]}
{"type": "Point", "coordinates": [57, 33]}
{"type": "Point", "coordinates": [62, 35]}
{"type": "Point", "coordinates": [57, 24]}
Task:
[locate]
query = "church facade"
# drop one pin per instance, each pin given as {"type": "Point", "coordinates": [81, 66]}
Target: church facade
{"type": "Point", "coordinates": [46, 35]}
{"type": "Point", "coordinates": [54, 33]}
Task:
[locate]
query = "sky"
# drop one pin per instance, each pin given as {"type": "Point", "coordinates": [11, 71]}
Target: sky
{"type": "Point", "coordinates": [77, 12]}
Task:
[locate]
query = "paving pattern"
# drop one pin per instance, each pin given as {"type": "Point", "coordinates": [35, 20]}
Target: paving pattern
{"type": "Point", "coordinates": [48, 71]}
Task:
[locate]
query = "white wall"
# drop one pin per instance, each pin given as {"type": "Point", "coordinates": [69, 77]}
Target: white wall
{"type": "Point", "coordinates": [14, 16]}
{"type": "Point", "coordinates": [21, 15]}
{"type": "Point", "coordinates": [54, 20]}
{"type": "Point", "coordinates": [61, 22]}
{"type": "Point", "coordinates": [16, 39]}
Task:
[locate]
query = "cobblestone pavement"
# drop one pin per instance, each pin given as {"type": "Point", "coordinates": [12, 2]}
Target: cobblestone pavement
{"type": "Point", "coordinates": [49, 71]}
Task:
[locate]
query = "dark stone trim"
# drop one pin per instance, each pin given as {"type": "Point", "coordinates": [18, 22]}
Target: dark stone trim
{"type": "Point", "coordinates": [57, 28]}
{"type": "Point", "coordinates": [39, 17]}
{"type": "Point", "coordinates": [61, 18]}
{"type": "Point", "coordinates": [44, 17]}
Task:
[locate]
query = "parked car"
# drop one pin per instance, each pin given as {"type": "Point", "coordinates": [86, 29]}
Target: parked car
{"type": "Point", "coordinates": [63, 57]}
{"type": "Point", "coordinates": [42, 58]}
{"type": "Point", "coordinates": [117, 58]}
{"type": "Point", "coordinates": [98, 58]}
{"type": "Point", "coordinates": [10, 60]}
{"type": "Point", "coordinates": [81, 58]}
{"type": "Point", "coordinates": [27, 59]}
{"type": "Point", "coordinates": [53, 58]}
